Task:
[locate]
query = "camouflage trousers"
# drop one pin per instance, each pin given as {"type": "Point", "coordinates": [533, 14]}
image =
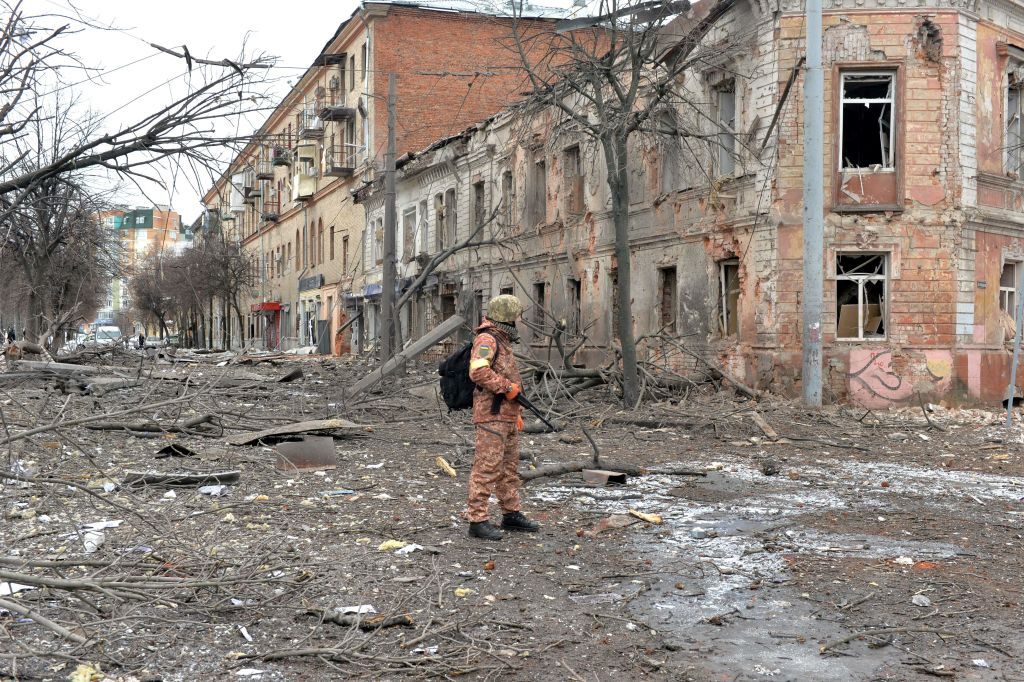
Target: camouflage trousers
{"type": "Point", "coordinates": [495, 470]}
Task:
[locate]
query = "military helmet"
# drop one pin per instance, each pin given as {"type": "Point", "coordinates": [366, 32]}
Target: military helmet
{"type": "Point", "coordinates": [505, 308]}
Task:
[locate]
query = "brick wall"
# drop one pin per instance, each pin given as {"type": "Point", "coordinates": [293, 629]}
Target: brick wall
{"type": "Point", "coordinates": [409, 41]}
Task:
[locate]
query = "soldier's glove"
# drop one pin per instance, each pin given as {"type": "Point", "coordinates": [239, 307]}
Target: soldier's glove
{"type": "Point", "coordinates": [513, 392]}
{"type": "Point", "coordinates": [520, 424]}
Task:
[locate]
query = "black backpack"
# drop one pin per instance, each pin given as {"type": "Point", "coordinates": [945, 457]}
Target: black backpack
{"type": "Point", "coordinates": [456, 386]}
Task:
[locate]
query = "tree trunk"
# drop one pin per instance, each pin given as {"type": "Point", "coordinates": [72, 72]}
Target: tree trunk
{"type": "Point", "coordinates": [616, 153]}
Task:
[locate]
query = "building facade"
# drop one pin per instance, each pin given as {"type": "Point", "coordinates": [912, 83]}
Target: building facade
{"type": "Point", "coordinates": [287, 197]}
{"type": "Point", "coordinates": [923, 209]}
{"type": "Point", "coordinates": [139, 232]}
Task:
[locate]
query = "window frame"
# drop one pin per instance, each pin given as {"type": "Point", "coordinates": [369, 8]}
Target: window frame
{"type": "Point", "coordinates": [726, 142]}
{"type": "Point", "coordinates": [891, 101]}
{"type": "Point", "coordinates": [1009, 292]}
{"type": "Point", "coordinates": [886, 278]}
{"type": "Point", "coordinates": [897, 132]}
{"type": "Point", "coordinates": [723, 297]}
{"type": "Point", "coordinates": [1014, 155]}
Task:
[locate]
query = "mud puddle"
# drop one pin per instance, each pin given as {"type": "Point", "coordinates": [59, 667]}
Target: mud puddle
{"type": "Point", "coordinates": [723, 592]}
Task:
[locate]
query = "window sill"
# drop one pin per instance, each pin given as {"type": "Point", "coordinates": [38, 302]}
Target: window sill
{"type": "Point", "coordinates": [866, 208]}
{"type": "Point", "coordinates": [851, 340]}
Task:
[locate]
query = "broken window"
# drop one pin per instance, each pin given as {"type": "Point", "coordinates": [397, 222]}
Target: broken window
{"type": "Point", "coordinates": [860, 295]}
{"type": "Point", "coordinates": [729, 295]}
{"type": "Point", "coordinates": [1008, 290]}
{"type": "Point", "coordinates": [422, 226]}
{"type": "Point", "coordinates": [450, 218]}
{"type": "Point", "coordinates": [409, 233]}
{"type": "Point", "coordinates": [725, 101]}
{"type": "Point", "coordinates": [479, 205]}
{"type": "Point", "coordinates": [667, 299]}
{"type": "Point", "coordinates": [540, 302]}
{"type": "Point", "coordinates": [866, 120]}
{"type": "Point", "coordinates": [510, 291]}
{"type": "Point", "coordinates": [539, 194]}
{"type": "Point", "coordinates": [572, 180]}
{"type": "Point", "coordinates": [506, 197]}
{"type": "Point", "coordinates": [439, 221]}
{"type": "Point", "coordinates": [573, 326]}
{"type": "Point", "coordinates": [447, 306]}
{"type": "Point", "coordinates": [1015, 124]}
{"type": "Point", "coordinates": [613, 279]}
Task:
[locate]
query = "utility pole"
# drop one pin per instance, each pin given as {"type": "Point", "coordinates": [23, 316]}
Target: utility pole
{"type": "Point", "coordinates": [813, 208]}
{"type": "Point", "coordinates": [387, 297]}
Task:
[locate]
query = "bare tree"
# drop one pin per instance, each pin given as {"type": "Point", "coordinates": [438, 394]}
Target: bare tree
{"type": "Point", "coordinates": [609, 78]}
{"type": "Point", "coordinates": [52, 152]}
{"type": "Point", "coordinates": [57, 259]}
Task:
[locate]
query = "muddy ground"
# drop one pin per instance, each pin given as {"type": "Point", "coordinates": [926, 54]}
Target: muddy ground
{"type": "Point", "coordinates": [855, 546]}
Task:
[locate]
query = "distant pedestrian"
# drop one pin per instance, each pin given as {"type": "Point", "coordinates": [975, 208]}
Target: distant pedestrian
{"type": "Point", "coordinates": [10, 335]}
{"type": "Point", "coordinates": [142, 341]}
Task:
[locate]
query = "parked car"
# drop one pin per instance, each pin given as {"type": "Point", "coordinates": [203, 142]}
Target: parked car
{"type": "Point", "coordinates": [101, 338]}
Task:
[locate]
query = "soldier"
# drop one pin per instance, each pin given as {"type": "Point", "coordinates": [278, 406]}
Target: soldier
{"type": "Point", "coordinates": [498, 420]}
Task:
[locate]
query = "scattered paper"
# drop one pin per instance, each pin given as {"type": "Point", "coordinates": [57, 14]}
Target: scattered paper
{"type": "Point", "coordinates": [245, 633]}
{"type": "Point", "coordinates": [461, 592]}
{"type": "Point", "coordinates": [389, 545]}
{"type": "Point", "coordinates": [408, 549]}
{"type": "Point", "coordinates": [7, 589]}
{"type": "Point", "coordinates": [213, 490]}
{"type": "Point", "coordinates": [360, 610]}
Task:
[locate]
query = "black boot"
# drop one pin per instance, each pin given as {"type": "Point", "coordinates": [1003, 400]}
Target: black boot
{"type": "Point", "coordinates": [484, 530]}
{"type": "Point", "coordinates": [517, 521]}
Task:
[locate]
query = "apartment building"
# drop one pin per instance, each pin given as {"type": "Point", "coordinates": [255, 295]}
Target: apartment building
{"type": "Point", "coordinates": [140, 232]}
{"type": "Point", "coordinates": [287, 197]}
{"type": "Point", "coordinates": [923, 208]}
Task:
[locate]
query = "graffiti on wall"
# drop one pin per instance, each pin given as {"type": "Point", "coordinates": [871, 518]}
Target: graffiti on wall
{"type": "Point", "coordinates": [874, 382]}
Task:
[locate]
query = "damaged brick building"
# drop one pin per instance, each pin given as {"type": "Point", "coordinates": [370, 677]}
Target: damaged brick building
{"type": "Point", "coordinates": [923, 207]}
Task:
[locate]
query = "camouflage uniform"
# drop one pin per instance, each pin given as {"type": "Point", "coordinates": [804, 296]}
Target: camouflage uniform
{"type": "Point", "coordinates": [497, 420]}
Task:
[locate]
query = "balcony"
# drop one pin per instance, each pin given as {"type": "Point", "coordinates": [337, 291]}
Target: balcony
{"type": "Point", "coordinates": [303, 186]}
{"type": "Point", "coordinates": [306, 152]}
{"type": "Point", "coordinates": [310, 125]}
{"type": "Point", "coordinates": [334, 106]}
{"type": "Point", "coordinates": [340, 160]}
{"type": "Point", "coordinates": [264, 170]}
{"type": "Point", "coordinates": [270, 210]}
{"type": "Point", "coordinates": [281, 157]}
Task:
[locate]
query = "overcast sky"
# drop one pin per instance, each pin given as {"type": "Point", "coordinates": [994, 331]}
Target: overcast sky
{"type": "Point", "coordinates": [136, 79]}
{"type": "Point", "coordinates": [293, 32]}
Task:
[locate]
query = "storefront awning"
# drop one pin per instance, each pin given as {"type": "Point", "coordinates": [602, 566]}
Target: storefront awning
{"type": "Point", "coordinates": [265, 305]}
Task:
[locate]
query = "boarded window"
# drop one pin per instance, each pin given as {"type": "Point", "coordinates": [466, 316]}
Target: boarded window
{"type": "Point", "coordinates": [729, 295]}
{"type": "Point", "coordinates": [866, 120]}
{"type": "Point", "coordinates": [860, 295]}
{"type": "Point", "coordinates": [332, 242]}
{"type": "Point", "coordinates": [344, 253]}
{"type": "Point", "coordinates": [572, 181]}
{"type": "Point", "coordinates": [667, 301]}
{"type": "Point", "coordinates": [725, 96]}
